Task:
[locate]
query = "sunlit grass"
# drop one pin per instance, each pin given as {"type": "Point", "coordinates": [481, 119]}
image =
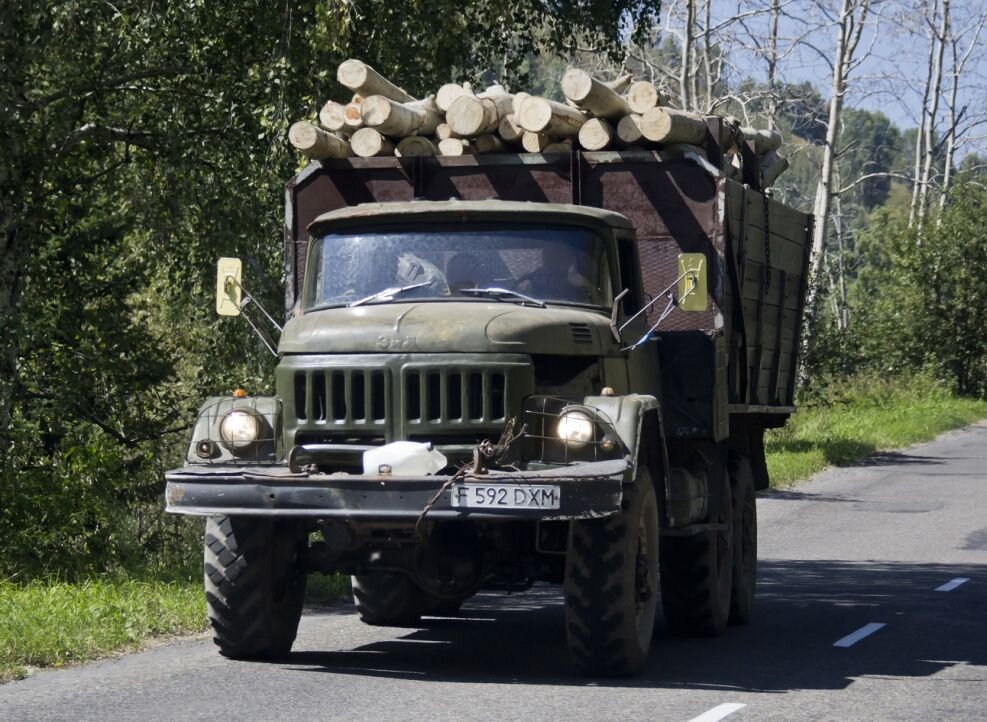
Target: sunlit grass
{"type": "Point", "coordinates": [863, 418]}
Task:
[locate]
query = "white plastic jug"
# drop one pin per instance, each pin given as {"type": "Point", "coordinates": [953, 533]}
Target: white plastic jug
{"type": "Point", "coordinates": [405, 458]}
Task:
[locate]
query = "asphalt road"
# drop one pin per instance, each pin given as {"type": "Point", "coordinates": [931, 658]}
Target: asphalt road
{"type": "Point", "coordinates": [884, 543]}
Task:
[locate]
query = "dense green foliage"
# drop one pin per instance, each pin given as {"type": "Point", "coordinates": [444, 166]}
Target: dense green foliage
{"type": "Point", "coordinates": [140, 142]}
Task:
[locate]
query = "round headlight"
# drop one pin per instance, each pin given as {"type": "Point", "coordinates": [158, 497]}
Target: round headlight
{"type": "Point", "coordinates": [239, 429]}
{"type": "Point", "coordinates": [575, 428]}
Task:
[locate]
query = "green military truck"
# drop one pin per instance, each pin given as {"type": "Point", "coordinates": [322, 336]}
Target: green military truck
{"type": "Point", "coordinates": [501, 370]}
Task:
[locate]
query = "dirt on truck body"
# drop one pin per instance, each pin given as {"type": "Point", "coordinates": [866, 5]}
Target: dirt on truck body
{"type": "Point", "coordinates": [500, 370]}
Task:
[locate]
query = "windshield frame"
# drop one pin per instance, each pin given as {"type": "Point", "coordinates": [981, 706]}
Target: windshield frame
{"type": "Point", "coordinates": [601, 230]}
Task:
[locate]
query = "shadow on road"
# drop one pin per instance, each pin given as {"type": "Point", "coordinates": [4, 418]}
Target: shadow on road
{"type": "Point", "coordinates": [803, 607]}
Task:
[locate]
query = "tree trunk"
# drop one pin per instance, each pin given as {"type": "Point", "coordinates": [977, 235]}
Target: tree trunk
{"type": "Point", "coordinates": [535, 142]}
{"type": "Point", "coordinates": [398, 120]}
{"type": "Point", "coordinates": [685, 69]}
{"type": "Point", "coordinates": [509, 130]}
{"type": "Point", "coordinates": [928, 168]}
{"type": "Point", "coordinates": [368, 143]}
{"type": "Point", "coordinates": [415, 145]}
{"type": "Point", "coordinates": [629, 129]}
{"type": "Point", "coordinates": [333, 117]}
{"type": "Point", "coordinates": [596, 134]}
{"type": "Point", "coordinates": [316, 143]}
{"type": "Point", "coordinates": [920, 133]}
{"type": "Point", "coordinates": [666, 125]}
{"type": "Point", "coordinates": [455, 146]}
{"type": "Point", "coordinates": [364, 80]}
{"type": "Point", "coordinates": [538, 115]}
{"type": "Point", "coordinates": [643, 96]}
{"type": "Point", "coordinates": [590, 94]}
{"type": "Point", "coordinates": [849, 26]}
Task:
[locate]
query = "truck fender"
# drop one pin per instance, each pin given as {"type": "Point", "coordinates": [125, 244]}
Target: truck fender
{"type": "Point", "coordinates": [627, 415]}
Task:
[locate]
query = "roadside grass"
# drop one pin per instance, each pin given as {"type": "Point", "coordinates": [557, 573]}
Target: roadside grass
{"type": "Point", "coordinates": [861, 418]}
{"type": "Point", "coordinates": [51, 623]}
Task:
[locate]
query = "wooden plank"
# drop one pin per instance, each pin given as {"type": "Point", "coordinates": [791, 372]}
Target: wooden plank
{"type": "Point", "coordinates": [782, 283]}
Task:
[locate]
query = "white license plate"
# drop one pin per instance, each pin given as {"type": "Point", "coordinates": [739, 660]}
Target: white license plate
{"type": "Point", "coordinates": [496, 496]}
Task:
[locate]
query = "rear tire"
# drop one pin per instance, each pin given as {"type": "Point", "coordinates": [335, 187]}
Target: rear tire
{"type": "Point", "coordinates": [744, 540]}
{"type": "Point", "coordinates": [611, 585]}
{"type": "Point", "coordinates": [697, 574]}
{"type": "Point", "coordinates": [388, 599]}
{"type": "Point", "coordinates": [254, 585]}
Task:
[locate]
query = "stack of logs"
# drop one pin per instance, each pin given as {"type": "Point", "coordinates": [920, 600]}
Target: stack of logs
{"type": "Point", "coordinates": [382, 119]}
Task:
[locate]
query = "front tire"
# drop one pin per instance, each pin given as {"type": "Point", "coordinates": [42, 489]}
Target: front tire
{"type": "Point", "coordinates": [254, 585]}
{"type": "Point", "coordinates": [611, 585]}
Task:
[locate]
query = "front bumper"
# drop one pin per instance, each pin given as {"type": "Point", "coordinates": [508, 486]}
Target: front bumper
{"type": "Point", "coordinates": [586, 490]}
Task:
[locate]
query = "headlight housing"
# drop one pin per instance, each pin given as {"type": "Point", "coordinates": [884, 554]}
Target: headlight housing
{"type": "Point", "coordinates": [576, 428]}
{"type": "Point", "coordinates": [239, 429]}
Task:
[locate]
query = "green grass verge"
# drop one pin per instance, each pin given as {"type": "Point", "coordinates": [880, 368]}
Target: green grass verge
{"type": "Point", "coordinates": [48, 623]}
{"type": "Point", "coordinates": [861, 418]}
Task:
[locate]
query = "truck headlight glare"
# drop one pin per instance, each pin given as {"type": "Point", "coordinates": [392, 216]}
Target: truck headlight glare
{"type": "Point", "coordinates": [575, 428]}
{"type": "Point", "coordinates": [239, 429]}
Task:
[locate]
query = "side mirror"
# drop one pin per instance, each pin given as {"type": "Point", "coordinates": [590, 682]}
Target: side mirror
{"type": "Point", "coordinates": [229, 275]}
{"type": "Point", "coordinates": [692, 291]}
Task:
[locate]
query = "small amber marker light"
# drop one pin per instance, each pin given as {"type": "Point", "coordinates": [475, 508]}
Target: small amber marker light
{"type": "Point", "coordinates": [239, 394]}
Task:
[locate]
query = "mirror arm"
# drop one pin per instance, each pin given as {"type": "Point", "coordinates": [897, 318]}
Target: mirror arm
{"type": "Point", "coordinates": [615, 312]}
{"type": "Point", "coordinates": [246, 300]}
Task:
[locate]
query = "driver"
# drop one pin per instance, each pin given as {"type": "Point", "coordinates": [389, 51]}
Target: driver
{"type": "Point", "coordinates": [559, 277]}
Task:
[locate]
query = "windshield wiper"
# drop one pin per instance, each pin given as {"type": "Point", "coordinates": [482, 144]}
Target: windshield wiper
{"type": "Point", "coordinates": [500, 293]}
{"type": "Point", "coordinates": [387, 294]}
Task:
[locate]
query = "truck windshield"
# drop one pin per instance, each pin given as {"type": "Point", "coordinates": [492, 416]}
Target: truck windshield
{"type": "Point", "coordinates": [555, 264]}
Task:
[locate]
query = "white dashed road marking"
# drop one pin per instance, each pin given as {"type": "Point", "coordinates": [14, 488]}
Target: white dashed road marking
{"type": "Point", "coordinates": [718, 712]}
{"type": "Point", "coordinates": [951, 585]}
{"type": "Point", "coordinates": [864, 631]}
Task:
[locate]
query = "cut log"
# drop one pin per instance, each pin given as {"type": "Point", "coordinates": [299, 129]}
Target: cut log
{"type": "Point", "coordinates": [589, 94]}
{"type": "Point", "coordinates": [620, 84]}
{"type": "Point", "coordinates": [665, 125]}
{"type": "Point", "coordinates": [517, 100]}
{"type": "Point", "coordinates": [629, 129]}
{"type": "Point", "coordinates": [469, 116]}
{"type": "Point", "coordinates": [316, 143]}
{"type": "Point", "coordinates": [509, 130]}
{"type": "Point", "coordinates": [368, 143]}
{"type": "Point", "coordinates": [398, 120]}
{"type": "Point", "coordinates": [596, 134]}
{"type": "Point", "coordinates": [353, 118]}
{"type": "Point", "coordinates": [333, 117]}
{"type": "Point", "coordinates": [455, 146]}
{"type": "Point", "coordinates": [501, 98]}
{"type": "Point", "coordinates": [489, 143]}
{"type": "Point", "coordinates": [448, 93]}
{"type": "Point", "coordinates": [764, 140]}
{"type": "Point", "coordinates": [535, 142]}
{"type": "Point", "coordinates": [642, 96]}
{"type": "Point", "coordinates": [364, 80]}
{"type": "Point", "coordinates": [538, 115]}
{"type": "Point", "coordinates": [415, 145]}
{"type": "Point", "coordinates": [443, 131]}
{"type": "Point", "coordinates": [772, 166]}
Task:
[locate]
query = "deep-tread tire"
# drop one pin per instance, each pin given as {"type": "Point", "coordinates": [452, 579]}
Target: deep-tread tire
{"type": "Point", "coordinates": [696, 577]}
{"type": "Point", "coordinates": [744, 540]}
{"type": "Point", "coordinates": [388, 599]}
{"type": "Point", "coordinates": [611, 585]}
{"type": "Point", "coordinates": [254, 585]}
{"type": "Point", "coordinates": [438, 607]}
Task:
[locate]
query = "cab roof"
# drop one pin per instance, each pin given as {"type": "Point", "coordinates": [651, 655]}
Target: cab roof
{"type": "Point", "coordinates": [455, 210]}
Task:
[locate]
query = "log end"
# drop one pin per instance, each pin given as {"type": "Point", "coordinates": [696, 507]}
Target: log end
{"type": "Point", "coordinates": [368, 143]}
{"type": "Point", "coordinates": [535, 114]}
{"type": "Point", "coordinates": [352, 73]}
{"type": "Point", "coordinates": [466, 116]}
{"type": "Point", "coordinates": [375, 110]}
{"type": "Point", "coordinates": [577, 85]}
{"type": "Point", "coordinates": [303, 135]}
